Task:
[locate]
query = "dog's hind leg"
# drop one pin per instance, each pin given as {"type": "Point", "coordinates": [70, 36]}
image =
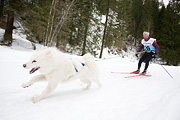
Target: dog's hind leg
{"type": "Point", "coordinates": [86, 81]}
{"type": "Point", "coordinates": [97, 82]}
{"type": "Point", "coordinates": [33, 80]}
{"type": "Point", "coordinates": [51, 87]}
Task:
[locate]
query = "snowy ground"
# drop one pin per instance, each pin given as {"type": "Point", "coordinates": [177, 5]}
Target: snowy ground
{"type": "Point", "coordinates": [142, 98]}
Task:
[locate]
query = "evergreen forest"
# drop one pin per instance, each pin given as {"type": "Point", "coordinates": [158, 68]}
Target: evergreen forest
{"type": "Point", "coordinates": [88, 26]}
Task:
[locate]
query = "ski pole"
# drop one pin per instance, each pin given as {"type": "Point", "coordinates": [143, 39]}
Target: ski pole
{"type": "Point", "coordinates": [164, 68]}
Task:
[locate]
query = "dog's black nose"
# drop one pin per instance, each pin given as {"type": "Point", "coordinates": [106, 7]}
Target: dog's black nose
{"type": "Point", "coordinates": [24, 65]}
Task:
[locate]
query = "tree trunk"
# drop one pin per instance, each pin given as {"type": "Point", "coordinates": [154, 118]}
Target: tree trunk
{"type": "Point", "coordinates": [105, 27]}
{"type": "Point", "coordinates": [10, 21]}
{"type": "Point", "coordinates": [59, 25]}
{"type": "Point", "coordinates": [9, 28]}
{"type": "Point", "coordinates": [86, 30]}
{"type": "Point", "coordinates": [50, 22]}
{"type": "Point", "coordinates": [85, 39]}
{"type": "Point", "coordinates": [1, 10]}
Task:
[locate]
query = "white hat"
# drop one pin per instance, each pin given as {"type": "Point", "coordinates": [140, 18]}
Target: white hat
{"type": "Point", "coordinates": [147, 33]}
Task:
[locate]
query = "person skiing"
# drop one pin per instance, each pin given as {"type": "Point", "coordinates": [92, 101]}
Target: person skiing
{"type": "Point", "coordinates": [151, 50]}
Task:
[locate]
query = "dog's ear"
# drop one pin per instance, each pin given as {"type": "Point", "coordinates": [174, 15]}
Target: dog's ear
{"type": "Point", "coordinates": [43, 48]}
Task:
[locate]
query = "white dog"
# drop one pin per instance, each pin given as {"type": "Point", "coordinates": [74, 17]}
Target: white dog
{"type": "Point", "coordinates": [56, 67]}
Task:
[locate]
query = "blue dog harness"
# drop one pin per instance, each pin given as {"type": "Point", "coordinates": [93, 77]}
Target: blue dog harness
{"type": "Point", "coordinates": [76, 68]}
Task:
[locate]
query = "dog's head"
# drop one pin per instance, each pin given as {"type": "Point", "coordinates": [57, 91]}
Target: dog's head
{"type": "Point", "coordinates": [42, 60]}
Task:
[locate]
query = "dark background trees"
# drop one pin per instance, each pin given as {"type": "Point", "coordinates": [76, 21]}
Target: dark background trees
{"type": "Point", "coordinates": [82, 26]}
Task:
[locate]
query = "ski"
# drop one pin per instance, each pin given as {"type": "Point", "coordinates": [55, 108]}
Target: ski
{"type": "Point", "coordinates": [137, 75]}
{"type": "Point", "coordinates": [132, 76]}
{"type": "Point", "coordinates": [122, 72]}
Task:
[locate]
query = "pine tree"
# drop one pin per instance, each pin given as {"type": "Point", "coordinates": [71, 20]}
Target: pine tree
{"type": "Point", "coordinates": [84, 28]}
{"type": "Point", "coordinates": [125, 18]}
{"type": "Point", "coordinates": [155, 14]}
{"type": "Point", "coordinates": [88, 16]}
{"type": "Point", "coordinates": [8, 38]}
{"type": "Point", "coordinates": [117, 24]}
{"type": "Point", "coordinates": [169, 34]}
{"type": "Point", "coordinates": [107, 8]}
{"type": "Point", "coordinates": [34, 16]}
{"type": "Point", "coordinates": [136, 18]}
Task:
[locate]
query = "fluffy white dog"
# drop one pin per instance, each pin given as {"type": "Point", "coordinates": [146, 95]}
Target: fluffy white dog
{"type": "Point", "coordinates": [56, 67]}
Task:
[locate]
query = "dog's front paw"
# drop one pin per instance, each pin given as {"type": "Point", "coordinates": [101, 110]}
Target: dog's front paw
{"type": "Point", "coordinates": [24, 85]}
{"type": "Point", "coordinates": [35, 99]}
{"type": "Point", "coordinates": [87, 87]}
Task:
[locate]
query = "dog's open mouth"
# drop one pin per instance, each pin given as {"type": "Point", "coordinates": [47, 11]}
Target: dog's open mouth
{"type": "Point", "coordinates": [34, 70]}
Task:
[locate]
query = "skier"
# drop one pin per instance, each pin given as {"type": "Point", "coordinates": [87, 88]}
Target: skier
{"type": "Point", "coordinates": [151, 50]}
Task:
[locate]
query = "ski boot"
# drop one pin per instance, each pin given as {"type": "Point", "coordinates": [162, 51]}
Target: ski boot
{"type": "Point", "coordinates": [144, 72]}
{"type": "Point", "coordinates": [136, 72]}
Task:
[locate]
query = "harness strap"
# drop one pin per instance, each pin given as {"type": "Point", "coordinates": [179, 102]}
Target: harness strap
{"type": "Point", "coordinates": [76, 68]}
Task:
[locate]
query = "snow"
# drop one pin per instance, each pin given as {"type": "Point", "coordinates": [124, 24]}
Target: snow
{"type": "Point", "coordinates": [141, 98]}
{"type": "Point", "coordinates": [166, 2]}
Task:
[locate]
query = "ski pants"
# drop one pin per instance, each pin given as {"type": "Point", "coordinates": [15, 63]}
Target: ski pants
{"type": "Point", "coordinates": [146, 57]}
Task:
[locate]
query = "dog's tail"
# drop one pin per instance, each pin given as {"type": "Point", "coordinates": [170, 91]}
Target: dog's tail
{"type": "Point", "coordinates": [90, 62]}
{"type": "Point", "coordinates": [91, 69]}
{"type": "Point", "coordinates": [88, 59]}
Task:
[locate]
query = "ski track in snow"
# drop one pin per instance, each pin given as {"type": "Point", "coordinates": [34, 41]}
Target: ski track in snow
{"type": "Point", "coordinates": [140, 98]}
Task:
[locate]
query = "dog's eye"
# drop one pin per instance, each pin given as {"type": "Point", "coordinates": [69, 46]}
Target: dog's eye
{"type": "Point", "coordinates": [34, 61]}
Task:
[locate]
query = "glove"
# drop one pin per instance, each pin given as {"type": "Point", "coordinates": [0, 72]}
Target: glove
{"type": "Point", "coordinates": [136, 54]}
{"type": "Point", "coordinates": [154, 55]}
